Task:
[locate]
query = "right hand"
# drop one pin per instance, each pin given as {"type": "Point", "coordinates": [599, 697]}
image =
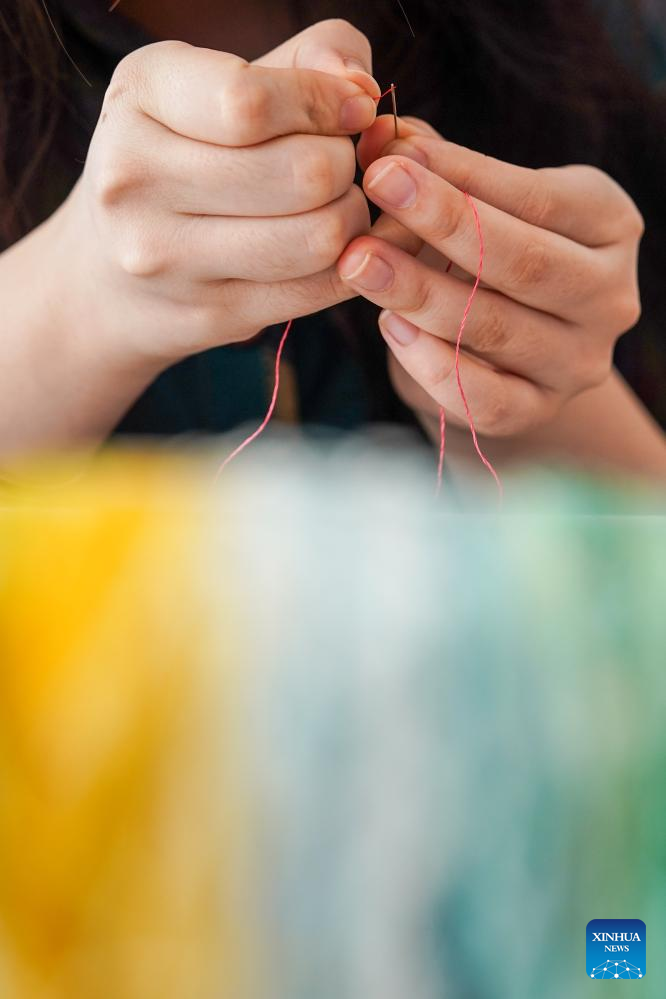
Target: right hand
{"type": "Point", "coordinates": [217, 195]}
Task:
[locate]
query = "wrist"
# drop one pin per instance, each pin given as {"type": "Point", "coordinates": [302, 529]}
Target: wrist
{"type": "Point", "coordinates": [63, 381]}
{"type": "Point", "coordinates": [89, 307]}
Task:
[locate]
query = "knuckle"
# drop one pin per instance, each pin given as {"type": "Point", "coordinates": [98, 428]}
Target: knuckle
{"type": "Point", "coordinates": [326, 238]}
{"type": "Point", "coordinates": [467, 173]}
{"type": "Point", "coordinates": [124, 76]}
{"type": "Point", "coordinates": [202, 322]}
{"type": "Point", "coordinates": [340, 26]}
{"type": "Point", "coordinates": [539, 204]}
{"type": "Point", "coordinates": [591, 176]}
{"type": "Point", "coordinates": [593, 369]}
{"type": "Point", "coordinates": [635, 223]}
{"type": "Point", "coordinates": [113, 182]}
{"type": "Point", "coordinates": [499, 417]}
{"type": "Point", "coordinates": [313, 177]}
{"type": "Point", "coordinates": [424, 301]}
{"type": "Point", "coordinates": [446, 219]}
{"type": "Point", "coordinates": [435, 375]}
{"type": "Point", "coordinates": [132, 71]}
{"type": "Point", "coordinates": [530, 267]}
{"type": "Point", "coordinates": [320, 178]}
{"type": "Point", "coordinates": [313, 99]}
{"type": "Point", "coordinates": [139, 255]}
{"type": "Point", "coordinates": [245, 107]}
{"type": "Point", "coordinates": [330, 289]}
{"type": "Point", "coordinates": [629, 219]}
{"type": "Point", "coordinates": [627, 310]}
{"type": "Point", "coordinates": [493, 333]}
{"type": "Point", "coordinates": [601, 371]}
{"type": "Point", "coordinates": [168, 48]}
{"type": "Point", "coordinates": [358, 212]}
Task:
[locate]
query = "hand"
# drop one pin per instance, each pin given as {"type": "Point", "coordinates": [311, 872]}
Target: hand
{"type": "Point", "coordinates": [559, 280]}
{"type": "Point", "coordinates": [217, 195]}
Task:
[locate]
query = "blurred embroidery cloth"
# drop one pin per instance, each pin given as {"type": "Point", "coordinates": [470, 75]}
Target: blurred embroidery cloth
{"type": "Point", "coordinates": [312, 735]}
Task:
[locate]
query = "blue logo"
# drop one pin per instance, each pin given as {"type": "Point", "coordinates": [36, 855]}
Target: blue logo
{"type": "Point", "coordinates": [615, 949]}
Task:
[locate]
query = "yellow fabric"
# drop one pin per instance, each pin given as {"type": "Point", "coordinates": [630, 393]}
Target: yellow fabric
{"type": "Point", "coordinates": [113, 844]}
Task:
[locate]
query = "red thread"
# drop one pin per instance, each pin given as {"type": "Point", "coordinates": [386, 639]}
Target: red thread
{"type": "Point", "coordinates": [271, 409]}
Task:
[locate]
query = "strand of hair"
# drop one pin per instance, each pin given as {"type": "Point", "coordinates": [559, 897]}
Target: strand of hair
{"type": "Point", "coordinates": [404, 14]}
{"type": "Point", "coordinates": [63, 47]}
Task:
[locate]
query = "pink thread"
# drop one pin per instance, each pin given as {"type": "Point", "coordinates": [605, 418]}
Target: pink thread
{"type": "Point", "coordinates": [442, 413]}
{"type": "Point", "coordinates": [278, 358]}
{"type": "Point", "coordinates": [442, 429]}
{"type": "Point", "coordinates": [470, 420]}
{"type": "Point", "coordinates": [271, 409]}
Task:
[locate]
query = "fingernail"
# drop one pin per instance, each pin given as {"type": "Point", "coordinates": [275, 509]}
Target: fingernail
{"type": "Point", "coordinates": [394, 186]}
{"type": "Point", "coordinates": [357, 113]}
{"type": "Point", "coordinates": [399, 329]}
{"type": "Point", "coordinates": [367, 271]}
{"type": "Point", "coordinates": [404, 148]}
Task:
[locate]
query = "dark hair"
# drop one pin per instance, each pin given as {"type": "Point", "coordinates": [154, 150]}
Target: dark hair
{"type": "Point", "coordinates": [30, 98]}
{"type": "Point", "coordinates": [539, 83]}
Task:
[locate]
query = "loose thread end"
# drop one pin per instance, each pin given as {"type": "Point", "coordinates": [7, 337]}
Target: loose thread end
{"type": "Point", "coordinates": [271, 408]}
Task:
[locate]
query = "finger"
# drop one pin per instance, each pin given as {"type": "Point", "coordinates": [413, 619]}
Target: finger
{"type": "Point", "coordinates": [285, 176]}
{"type": "Point", "coordinates": [268, 250]}
{"type": "Point", "coordinates": [504, 333]}
{"type": "Point", "coordinates": [580, 202]}
{"type": "Point", "coordinates": [266, 304]}
{"type": "Point", "coordinates": [333, 46]}
{"type": "Point", "coordinates": [375, 141]}
{"type": "Point", "coordinates": [502, 404]}
{"type": "Point", "coordinates": [538, 268]}
{"type": "Point", "coordinates": [217, 97]}
{"type": "Point", "coordinates": [390, 231]}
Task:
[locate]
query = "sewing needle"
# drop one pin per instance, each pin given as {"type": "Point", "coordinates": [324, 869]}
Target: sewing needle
{"type": "Point", "coordinates": [395, 111]}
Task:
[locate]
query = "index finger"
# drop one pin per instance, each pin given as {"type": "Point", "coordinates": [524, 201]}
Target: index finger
{"type": "Point", "coordinates": [217, 97]}
{"type": "Point", "coordinates": [578, 201]}
{"type": "Point", "coordinates": [541, 269]}
{"type": "Point", "coordinates": [334, 46]}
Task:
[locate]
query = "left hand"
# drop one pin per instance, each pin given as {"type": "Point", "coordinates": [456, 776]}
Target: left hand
{"type": "Point", "coordinates": [559, 279]}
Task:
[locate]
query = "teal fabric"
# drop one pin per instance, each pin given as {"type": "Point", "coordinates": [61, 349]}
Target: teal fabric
{"type": "Point", "coordinates": [227, 386]}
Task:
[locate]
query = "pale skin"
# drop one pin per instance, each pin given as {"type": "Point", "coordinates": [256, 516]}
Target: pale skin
{"type": "Point", "coordinates": [559, 288]}
{"type": "Point", "coordinates": [218, 198]}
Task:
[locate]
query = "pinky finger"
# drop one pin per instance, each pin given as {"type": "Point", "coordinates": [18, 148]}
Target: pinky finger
{"type": "Point", "coordinates": [499, 404]}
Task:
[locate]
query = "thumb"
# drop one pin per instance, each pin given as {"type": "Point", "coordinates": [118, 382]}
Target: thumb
{"type": "Point", "coordinates": [333, 46]}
